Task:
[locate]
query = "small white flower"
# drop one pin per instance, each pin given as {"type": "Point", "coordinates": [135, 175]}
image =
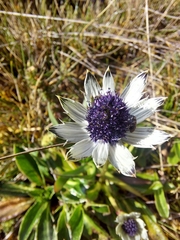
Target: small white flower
{"type": "Point", "coordinates": [131, 227]}
{"type": "Point", "coordinates": [109, 120]}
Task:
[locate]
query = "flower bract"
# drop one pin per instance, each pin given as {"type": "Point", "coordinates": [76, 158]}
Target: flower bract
{"type": "Point", "coordinates": [131, 227]}
{"type": "Point", "coordinates": [109, 120]}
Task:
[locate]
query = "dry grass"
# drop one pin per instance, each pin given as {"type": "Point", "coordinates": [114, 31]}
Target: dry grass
{"type": "Point", "coordinates": [46, 48]}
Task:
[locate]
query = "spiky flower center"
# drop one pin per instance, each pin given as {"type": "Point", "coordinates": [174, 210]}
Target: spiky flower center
{"type": "Point", "coordinates": [130, 227]}
{"type": "Point", "coordinates": [109, 119]}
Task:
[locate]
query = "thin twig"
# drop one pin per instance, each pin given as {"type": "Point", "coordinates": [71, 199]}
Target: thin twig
{"type": "Point", "coordinates": [151, 75]}
{"type": "Point", "coordinates": [42, 17]}
{"type": "Point", "coordinates": [30, 151]}
{"type": "Point", "coordinates": [148, 44]}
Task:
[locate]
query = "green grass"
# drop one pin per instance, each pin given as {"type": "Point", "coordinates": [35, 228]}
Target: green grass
{"type": "Point", "coordinates": [45, 51]}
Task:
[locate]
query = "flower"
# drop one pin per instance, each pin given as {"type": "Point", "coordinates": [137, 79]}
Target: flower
{"type": "Point", "coordinates": [130, 226]}
{"type": "Point", "coordinates": [109, 120]}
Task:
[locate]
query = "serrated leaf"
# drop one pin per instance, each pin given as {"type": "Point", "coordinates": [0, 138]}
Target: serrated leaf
{"type": "Point", "coordinates": [28, 166]}
{"type": "Point", "coordinates": [76, 223]}
{"type": "Point", "coordinates": [63, 232]}
{"type": "Point", "coordinates": [30, 219]}
{"type": "Point", "coordinates": [45, 229]}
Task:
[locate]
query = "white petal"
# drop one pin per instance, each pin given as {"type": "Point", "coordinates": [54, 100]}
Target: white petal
{"type": "Point", "coordinates": [144, 235]}
{"type": "Point", "coordinates": [100, 153]}
{"type": "Point", "coordinates": [134, 215]}
{"type": "Point", "coordinates": [146, 137]}
{"type": "Point", "coordinates": [108, 82]}
{"type": "Point", "coordinates": [134, 91]}
{"type": "Point", "coordinates": [141, 227]}
{"type": "Point", "coordinates": [120, 219]}
{"type": "Point", "coordinates": [137, 237]}
{"type": "Point", "coordinates": [91, 86]}
{"type": "Point", "coordinates": [140, 223]}
{"type": "Point", "coordinates": [146, 108]}
{"type": "Point", "coordinates": [121, 233]}
{"type": "Point", "coordinates": [81, 149]}
{"type": "Point", "coordinates": [121, 158]}
{"type": "Point", "coordinates": [75, 110]}
{"type": "Point", "coordinates": [70, 131]}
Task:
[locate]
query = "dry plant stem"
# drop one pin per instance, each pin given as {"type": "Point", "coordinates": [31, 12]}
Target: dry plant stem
{"type": "Point", "coordinates": [151, 76]}
{"type": "Point", "coordinates": [99, 15]}
{"type": "Point", "coordinates": [27, 15]}
{"type": "Point", "coordinates": [164, 14]}
{"type": "Point", "coordinates": [32, 150]}
{"type": "Point", "coordinates": [148, 44]}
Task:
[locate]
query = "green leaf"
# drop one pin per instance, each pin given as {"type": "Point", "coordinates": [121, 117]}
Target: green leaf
{"type": "Point", "coordinates": [101, 208]}
{"type": "Point", "coordinates": [160, 200]}
{"type": "Point", "coordinates": [28, 166]}
{"type": "Point", "coordinates": [31, 219]}
{"type": "Point", "coordinates": [154, 230]}
{"type": "Point", "coordinates": [32, 235]}
{"type": "Point", "coordinates": [76, 223]}
{"type": "Point", "coordinates": [152, 176]}
{"type": "Point", "coordinates": [93, 192]}
{"type": "Point", "coordinates": [124, 185]}
{"type": "Point", "coordinates": [144, 210]}
{"type": "Point", "coordinates": [92, 226]}
{"type": "Point", "coordinates": [156, 186]}
{"type": "Point", "coordinates": [64, 177]}
{"type": "Point", "coordinates": [12, 189]}
{"type": "Point", "coordinates": [62, 229]}
{"type": "Point", "coordinates": [51, 116]}
{"type": "Point", "coordinates": [45, 228]}
{"type": "Point", "coordinates": [59, 184]}
{"type": "Point", "coordinates": [174, 156]}
{"type": "Point", "coordinates": [161, 203]}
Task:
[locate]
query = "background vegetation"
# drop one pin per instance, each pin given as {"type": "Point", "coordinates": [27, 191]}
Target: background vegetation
{"type": "Point", "coordinates": [46, 47]}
